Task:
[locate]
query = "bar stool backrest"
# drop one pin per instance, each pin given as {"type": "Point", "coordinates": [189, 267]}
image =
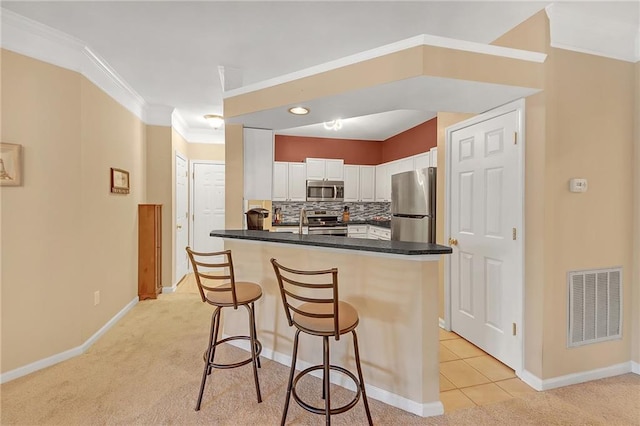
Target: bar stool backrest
{"type": "Point", "coordinates": [299, 288]}
{"type": "Point", "coordinates": [212, 273]}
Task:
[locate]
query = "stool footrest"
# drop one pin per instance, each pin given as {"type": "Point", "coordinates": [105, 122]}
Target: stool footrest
{"type": "Point", "coordinates": [321, 410]}
{"type": "Point", "coordinates": [235, 364]}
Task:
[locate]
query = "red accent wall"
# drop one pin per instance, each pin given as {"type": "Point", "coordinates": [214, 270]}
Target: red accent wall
{"type": "Point", "coordinates": [416, 140]}
{"type": "Point", "coordinates": [297, 149]}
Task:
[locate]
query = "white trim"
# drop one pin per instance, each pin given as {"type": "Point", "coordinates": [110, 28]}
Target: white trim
{"type": "Point", "coordinates": [586, 33]}
{"type": "Point", "coordinates": [635, 367]}
{"type": "Point", "coordinates": [442, 324]}
{"type": "Point", "coordinates": [519, 107]}
{"type": "Point", "coordinates": [575, 378]}
{"type": "Point", "coordinates": [41, 42]}
{"type": "Point", "coordinates": [68, 354]}
{"type": "Point", "coordinates": [420, 40]}
{"type": "Point", "coordinates": [426, 409]}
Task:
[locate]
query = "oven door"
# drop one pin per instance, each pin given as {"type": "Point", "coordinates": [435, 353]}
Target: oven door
{"type": "Point", "coordinates": [336, 231]}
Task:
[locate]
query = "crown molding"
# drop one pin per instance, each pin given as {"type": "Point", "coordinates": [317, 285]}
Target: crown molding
{"type": "Point", "coordinates": [211, 136]}
{"type": "Point", "coordinates": [420, 40]}
{"type": "Point", "coordinates": [587, 33]}
{"type": "Point", "coordinates": [38, 41]}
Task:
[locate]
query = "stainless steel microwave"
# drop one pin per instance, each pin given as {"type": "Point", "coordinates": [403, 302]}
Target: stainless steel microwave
{"type": "Point", "coordinates": [325, 190]}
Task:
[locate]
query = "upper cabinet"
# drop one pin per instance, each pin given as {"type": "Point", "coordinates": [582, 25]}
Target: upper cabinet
{"type": "Point", "coordinates": [325, 169]}
{"type": "Point", "coordinates": [359, 183]}
{"type": "Point", "coordinates": [258, 161]}
{"type": "Point", "coordinates": [422, 161]}
{"type": "Point", "coordinates": [289, 181]}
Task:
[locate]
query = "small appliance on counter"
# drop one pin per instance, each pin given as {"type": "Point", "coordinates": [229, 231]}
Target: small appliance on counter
{"type": "Point", "coordinates": [256, 217]}
{"type": "Point", "coordinates": [345, 214]}
{"type": "Point", "coordinates": [413, 206]}
{"type": "Point", "coordinates": [277, 216]}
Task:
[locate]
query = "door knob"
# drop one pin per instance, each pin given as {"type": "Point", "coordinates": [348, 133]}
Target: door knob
{"type": "Point", "coordinates": [453, 242]}
{"type": "Point", "coordinates": [179, 226]}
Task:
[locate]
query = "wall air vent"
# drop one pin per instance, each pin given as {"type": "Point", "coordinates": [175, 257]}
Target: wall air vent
{"type": "Point", "coordinates": [595, 306]}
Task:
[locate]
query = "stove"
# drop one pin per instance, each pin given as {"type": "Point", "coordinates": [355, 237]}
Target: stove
{"type": "Point", "coordinates": [322, 222]}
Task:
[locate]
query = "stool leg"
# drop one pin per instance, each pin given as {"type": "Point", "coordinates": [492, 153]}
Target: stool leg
{"type": "Point", "coordinates": [216, 331]}
{"type": "Point", "coordinates": [252, 331]}
{"type": "Point", "coordinates": [255, 332]}
{"type": "Point", "coordinates": [291, 374]}
{"type": "Point", "coordinates": [325, 380]}
{"type": "Point", "coordinates": [211, 348]}
{"type": "Point", "coordinates": [364, 393]}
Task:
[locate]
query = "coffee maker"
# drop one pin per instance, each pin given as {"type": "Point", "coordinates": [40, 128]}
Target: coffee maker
{"type": "Point", "coordinates": [255, 218]}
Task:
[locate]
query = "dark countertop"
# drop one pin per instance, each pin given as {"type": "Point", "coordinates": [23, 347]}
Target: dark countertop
{"type": "Point", "coordinates": [345, 243]}
{"type": "Point", "coordinates": [380, 223]}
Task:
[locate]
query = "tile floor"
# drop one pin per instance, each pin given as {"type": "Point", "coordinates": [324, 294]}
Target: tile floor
{"type": "Point", "coordinates": [470, 377]}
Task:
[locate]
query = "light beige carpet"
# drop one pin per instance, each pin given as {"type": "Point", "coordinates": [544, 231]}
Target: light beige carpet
{"type": "Point", "coordinates": [146, 370]}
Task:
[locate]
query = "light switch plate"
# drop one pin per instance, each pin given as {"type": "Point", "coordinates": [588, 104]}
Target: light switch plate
{"type": "Point", "coordinates": [578, 185]}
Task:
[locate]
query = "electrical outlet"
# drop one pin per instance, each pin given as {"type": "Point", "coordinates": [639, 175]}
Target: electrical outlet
{"type": "Point", "coordinates": [96, 298]}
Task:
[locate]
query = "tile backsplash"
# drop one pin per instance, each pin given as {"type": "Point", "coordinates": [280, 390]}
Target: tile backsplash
{"type": "Point", "coordinates": [357, 211]}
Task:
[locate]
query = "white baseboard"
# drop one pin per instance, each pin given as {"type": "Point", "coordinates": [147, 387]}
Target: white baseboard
{"type": "Point", "coordinates": [421, 409]}
{"type": "Point", "coordinates": [575, 378]}
{"type": "Point", "coordinates": [441, 323]}
{"type": "Point", "coordinates": [635, 367]}
{"type": "Point", "coordinates": [63, 356]}
{"type": "Point", "coordinates": [169, 290]}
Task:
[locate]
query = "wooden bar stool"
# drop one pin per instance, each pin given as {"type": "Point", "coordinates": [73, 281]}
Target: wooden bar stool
{"type": "Point", "coordinates": [218, 287]}
{"type": "Point", "coordinates": [311, 303]}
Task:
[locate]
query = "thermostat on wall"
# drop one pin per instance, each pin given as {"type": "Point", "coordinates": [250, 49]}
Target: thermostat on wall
{"type": "Point", "coordinates": [578, 185]}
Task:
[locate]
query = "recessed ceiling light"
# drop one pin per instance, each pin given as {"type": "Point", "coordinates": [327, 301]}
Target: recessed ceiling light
{"type": "Point", "coordinates": [214, 120]}
{"type": "Point", "coordinates": [299, 110]}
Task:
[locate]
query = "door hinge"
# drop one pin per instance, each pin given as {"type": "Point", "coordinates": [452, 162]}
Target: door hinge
{"type": "Point", "coordinates": [513, 328]}
{"type": "Point", "coordinates": [515, 138]}
{"type": "Point", "coordinates": [514, 233]}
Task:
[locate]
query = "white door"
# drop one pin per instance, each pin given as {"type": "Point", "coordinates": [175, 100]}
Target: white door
{"type": "Point", "coordinates": [182, 219]}
{"type": "Point", "coordinates": [208, 205]}
{"type": "Point", "coordinates": [486, 198]}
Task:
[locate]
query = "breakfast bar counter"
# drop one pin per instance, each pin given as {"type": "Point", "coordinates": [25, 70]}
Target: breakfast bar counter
{"type": "Point", "coordinates": [392, 284]}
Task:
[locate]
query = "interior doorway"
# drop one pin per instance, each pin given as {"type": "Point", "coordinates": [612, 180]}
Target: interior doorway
{"type": "Point", "coordinates": [182, 219]}
{"type": "Point", "coordinates": [484, 225]}
{"type": "Point", "coordinates": [208, 204]}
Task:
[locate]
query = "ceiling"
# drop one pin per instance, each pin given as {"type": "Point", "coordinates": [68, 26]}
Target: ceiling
{"type": "Point", "coordinates": [171, 52]}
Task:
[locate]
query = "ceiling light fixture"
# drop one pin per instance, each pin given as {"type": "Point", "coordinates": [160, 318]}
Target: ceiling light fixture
{"type": "Point", "coordinates": [299, 110]}
{"type": "Point", "coordinates": [333, 124]}
{"type": "Point", "coordinates": [214, 120]}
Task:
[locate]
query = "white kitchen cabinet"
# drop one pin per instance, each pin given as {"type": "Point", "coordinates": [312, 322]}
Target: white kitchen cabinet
{"type": "Point", "coordinates": [289, 181]}
{"type": "Point", "coordinates": [258, 163]}
{"type": "Point", "coordinates": [383, 182]}
{"type": "Point", "coordinates": [359, 183]}
{"type": "Point", "coordinates": [357, 231]}
{"type": "Point", "coordinates": [434, 156]}
{"type": "Point", "coordinates": [325, 169]}
{"type": "Point", "coordinates": [378, 233]}
{"type": "Point", "coordinates": [422, 161]}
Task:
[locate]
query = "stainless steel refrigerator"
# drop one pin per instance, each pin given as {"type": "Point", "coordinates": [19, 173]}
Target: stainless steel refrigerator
{"type": "Point", "coordinates": [413, 206]}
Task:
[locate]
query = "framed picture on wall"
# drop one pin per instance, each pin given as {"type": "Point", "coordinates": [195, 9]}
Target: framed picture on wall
{"type": "Point", "coordinates": [119, 181]}
{"type": "Point", "coordinates": [10, 164]}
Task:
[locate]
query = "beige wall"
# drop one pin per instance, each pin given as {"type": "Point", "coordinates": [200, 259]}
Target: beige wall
{"type": "Point", "coordinates": [158, 160]}
{"type": "Point", "coordinates": [590, 134]}
{"type": "Point", "coordinates": [64, 235]}
{"type": "Point", "coordinates": [636, 225]}
{"type": "Point", "coordinates": [234, 176]}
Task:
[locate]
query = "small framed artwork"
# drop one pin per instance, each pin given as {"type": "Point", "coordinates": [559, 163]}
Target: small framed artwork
{"type": "Point", "coordinates": [119, 181]}
{"type": "Point", "coordinates": [10, 164]}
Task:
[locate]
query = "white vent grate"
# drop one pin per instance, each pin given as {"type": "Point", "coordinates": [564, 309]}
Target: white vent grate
{"type": "Point", "coordinates": [595, 306]}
